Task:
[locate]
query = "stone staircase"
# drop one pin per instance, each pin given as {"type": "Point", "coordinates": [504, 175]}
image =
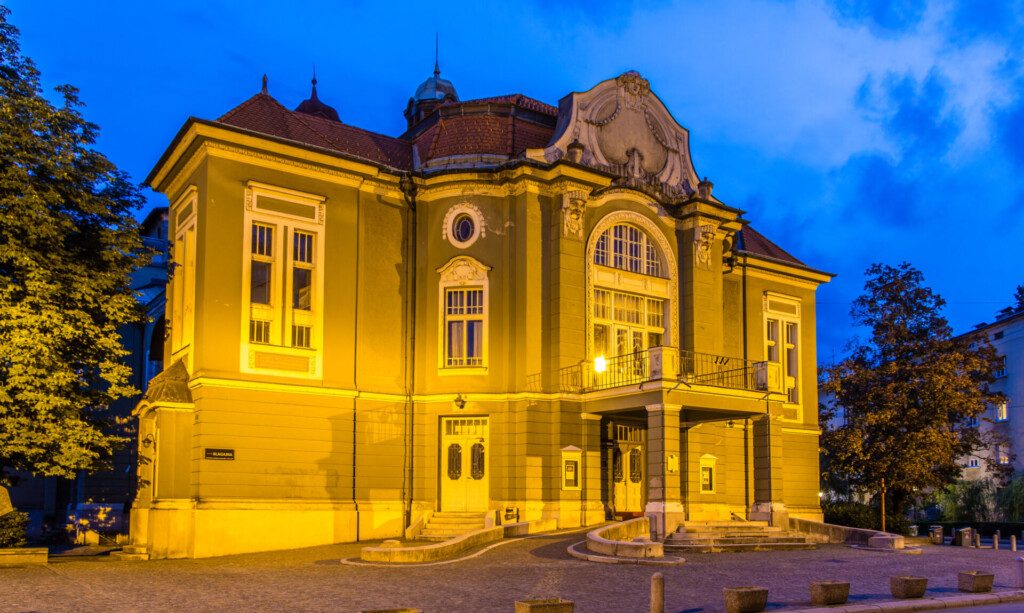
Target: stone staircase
{"type": "Point", "coordinates": [730, 536]}
{"type": "Point", "coordinates": [131, 552]}
{"type": "Point", "coordinates": [444, 525]}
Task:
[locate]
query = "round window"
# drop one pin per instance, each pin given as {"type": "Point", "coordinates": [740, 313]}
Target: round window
{"type": "Point", "coordinates": [463, 228]}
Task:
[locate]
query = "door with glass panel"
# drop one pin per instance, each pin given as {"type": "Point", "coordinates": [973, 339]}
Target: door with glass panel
{"type": "Point", "coordinates": [628, 470]}
{"type": "Point", "coordinates": [464, 472]}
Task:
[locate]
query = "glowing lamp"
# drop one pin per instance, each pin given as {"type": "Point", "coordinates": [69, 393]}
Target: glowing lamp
{"type": "Point", "coordinates": [600, 364]}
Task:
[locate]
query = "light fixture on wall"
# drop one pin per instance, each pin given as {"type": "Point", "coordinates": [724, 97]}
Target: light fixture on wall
{"type": "Point", "coordinates": [600, 364]}
{"type": "Point", "coordinates": [460, 402]}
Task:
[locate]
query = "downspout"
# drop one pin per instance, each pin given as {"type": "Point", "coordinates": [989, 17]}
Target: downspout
{"type": "Point", "coordinates": [355, 362]}
{"type": "Point", "coordinates": [746, 422]}
{"type": "Point", "coordinates": [408, 187]}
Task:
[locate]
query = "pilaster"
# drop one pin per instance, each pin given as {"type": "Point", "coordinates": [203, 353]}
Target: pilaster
{"type": "Point", "coordinates": [664, 496]}
{"type": "Point", "coordinates": [768, 480]}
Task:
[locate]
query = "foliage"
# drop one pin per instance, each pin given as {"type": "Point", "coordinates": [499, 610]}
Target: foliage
{"type": "Point", "coordinates": [860, 515]}
{"type": "Point", "coordinates": [966, 501]}
{"type": "Point", "coordinates": [1018, 298]}
{"type": "Point", "coordinates": [12, 529]}
{"type": "Point", "coordinates": [902, 404]}
{"type": "Point", "coordinates": [1010, 500]}
{"type": "Point", "coordinates": [68, 241]}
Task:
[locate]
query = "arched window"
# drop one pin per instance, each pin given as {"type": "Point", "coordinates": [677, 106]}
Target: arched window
{"type": "Point", "coordinates": [627, 247]}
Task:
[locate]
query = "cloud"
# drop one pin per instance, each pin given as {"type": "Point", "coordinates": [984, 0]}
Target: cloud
{"type": "Point", "coordinates": [884, 18]}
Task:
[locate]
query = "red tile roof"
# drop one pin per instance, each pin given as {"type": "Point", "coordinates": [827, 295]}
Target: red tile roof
{"type": "Point", "coordinates": [263, 114]}
{"type": "Point", "coordinates": [756, 243]}
{"type": "Point", "coordinates": [519, 100]}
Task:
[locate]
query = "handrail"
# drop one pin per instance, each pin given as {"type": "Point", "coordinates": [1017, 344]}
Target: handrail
{"type": "Point", "coordinates": [640, 367]}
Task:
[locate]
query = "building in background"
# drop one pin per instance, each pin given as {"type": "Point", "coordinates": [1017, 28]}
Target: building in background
{"type": "Point", "coordinates": [1006, 419]}
{"type": "Point", "coordinates": [53, 501]}
{"type": "Point", "coordinates": [512, 311]}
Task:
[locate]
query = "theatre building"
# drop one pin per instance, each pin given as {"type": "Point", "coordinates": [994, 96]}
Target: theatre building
{"type": "Point", "coordinates": [510, 312]}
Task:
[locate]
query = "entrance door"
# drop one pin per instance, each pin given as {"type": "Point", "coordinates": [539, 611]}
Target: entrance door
{"type": "Point", "coordinates": [464, 464]}
{"type": "Point", "coordinates": [628, 470]}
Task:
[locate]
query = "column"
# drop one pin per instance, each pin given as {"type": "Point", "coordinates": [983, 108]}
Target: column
{"type": "Point", "coordinates": [664, 500]}
{"type": "Point", "coordinates": [768, 481]}
{"type": "Point", "coordinates": [592, 505]}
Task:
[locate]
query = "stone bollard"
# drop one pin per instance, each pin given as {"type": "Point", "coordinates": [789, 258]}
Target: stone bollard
{"type": "Point", "coordinates": [977, 539]}
{"type": "Point", "coordinates": [1013, 542]}
{"type": "Point", "coordinates": [657, 593]}
{"type": "Point", "coordinates": [995, 540]}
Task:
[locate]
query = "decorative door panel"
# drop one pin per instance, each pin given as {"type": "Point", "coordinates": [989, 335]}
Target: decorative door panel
{"type": "Point", "coordinates": [464, 464]}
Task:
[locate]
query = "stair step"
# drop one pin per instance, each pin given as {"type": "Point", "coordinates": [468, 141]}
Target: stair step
{"type": "Point", "coordinates": [135, 549]}
{"type": "Point", "coordinates": [121, 555]}
{"type": "Point", "coordinates": [455, 520]}
{"type": "Point", "coordinates": [718, 548]}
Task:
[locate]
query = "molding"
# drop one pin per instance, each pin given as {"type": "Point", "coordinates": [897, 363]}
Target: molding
{"type": "Point", "coordinates": [479, 223]}
{"type": "Point", "coordinates": [574, 205]}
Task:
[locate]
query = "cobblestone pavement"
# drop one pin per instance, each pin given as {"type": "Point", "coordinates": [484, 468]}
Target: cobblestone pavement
{"type": "Point", "coordinates": [538, 567]}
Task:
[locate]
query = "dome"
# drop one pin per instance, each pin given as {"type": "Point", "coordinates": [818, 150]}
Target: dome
{"type": "Point", "coordinates": [436, 88]}
{"type": "Point", "coordinates": [313, 106]}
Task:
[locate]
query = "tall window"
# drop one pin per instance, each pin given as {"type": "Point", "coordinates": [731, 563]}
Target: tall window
{"type": "Point", "coordinates": [1002, 411]}
{"type": "Point", "coordinates": [626, 323]}
{"type": "Point", "coordinates": [183, 275]}
{"type": "Point", "coordinates": [627, 247]}
{"type": "Point", "coordinates": [782, 340]}
{"type": "Point", "coordinates": [464, 326]}
{"type": "Point", "coordinates": [464, 316]}
{"type": "Point", "coordinates": [281, 306]}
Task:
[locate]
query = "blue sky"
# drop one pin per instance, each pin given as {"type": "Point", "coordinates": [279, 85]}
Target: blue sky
{"type": "Point", "coordinates": [850, 131]}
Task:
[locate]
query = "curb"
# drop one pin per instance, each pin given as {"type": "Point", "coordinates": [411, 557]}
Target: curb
{"type": "Point", "coordinates": [593, 557]}
{"type": "Point", "coordinates": [923, 604]}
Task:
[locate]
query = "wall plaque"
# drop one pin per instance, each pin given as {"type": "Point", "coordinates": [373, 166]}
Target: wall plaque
{"type": "Point", "coordinates": [219, 454]}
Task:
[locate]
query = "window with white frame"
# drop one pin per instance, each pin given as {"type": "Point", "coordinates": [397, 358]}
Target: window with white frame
{"type": "Point", "coordinates": [1000, 370]}
{"type": "Point", "coordinates": [183, 273]}
{"type": "Point", "coordinates": [973, 463]}
{"type": "Point", "coordinates": [1002, 411]}
{"type": "Point", "coordinates": [284, 275]}
{"type": "Point", "coordinates": [463, 316]}
{"type": "Point", "coordinates": [627, 247]}
{"type": "Point", "coordinates": [1002, 455]}
{"type": "Point", "coordinates": [782, 340]}
{"type": "Point", "coordinates": [464, 327]}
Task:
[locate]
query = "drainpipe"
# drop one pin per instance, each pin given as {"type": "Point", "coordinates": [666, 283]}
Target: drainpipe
{"type": "Point", "coordinates": [408, 187]}
{"type": "Point", "coordinates": [355, 363]}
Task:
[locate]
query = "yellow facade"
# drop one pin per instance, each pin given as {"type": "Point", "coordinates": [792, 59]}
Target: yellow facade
{"type": "Point", "coordinates": [553, 336]}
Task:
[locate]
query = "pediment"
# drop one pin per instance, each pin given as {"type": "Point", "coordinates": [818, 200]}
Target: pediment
{"type": "Point", "coordinates": [620, 126]}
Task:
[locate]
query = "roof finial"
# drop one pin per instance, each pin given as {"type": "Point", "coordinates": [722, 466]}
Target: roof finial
{"type": "Point", "coordinates": [437, 67]}
{"type": "Point", "coordinates": [313, 95]}
{"type": "Point", "coordinates": [263, 89]}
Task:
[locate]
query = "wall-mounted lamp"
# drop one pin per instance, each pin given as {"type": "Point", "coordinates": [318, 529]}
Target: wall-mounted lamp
{"type": "Point", "coordinates": [600, 364]}
{"type": "Point", "coordinates": [460, 402]}
{"type": "Point", "coordinates": [146, 442]}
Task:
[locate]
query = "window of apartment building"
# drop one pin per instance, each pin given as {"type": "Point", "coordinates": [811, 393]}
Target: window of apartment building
{"type": "Point", "coordinates": [971, 422]}
{"type": "Point", "coordinates": [973, 463]}
{"type": "Point", "coordinates": [1002, 411]}
{"type": "Point", "coordinates": [782, 340]}
{"type": "Point", "coordinates": [464, 315]}
{"type": "Point", "coordinates": [1000, 370]}
{"type": "Point", "coordinates": [284, 275]}
{"type": "Point", "coordinates": [183, 274]}
{"type": "Point", "coordinates": [1002, 455]}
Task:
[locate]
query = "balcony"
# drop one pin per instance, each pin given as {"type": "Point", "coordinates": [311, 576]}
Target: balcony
{"type": "Point", "coordinates": [669, 364]}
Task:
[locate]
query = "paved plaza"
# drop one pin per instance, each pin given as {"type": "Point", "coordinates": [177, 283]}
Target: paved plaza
{"type": "Point", "coordinates": [315, 580]}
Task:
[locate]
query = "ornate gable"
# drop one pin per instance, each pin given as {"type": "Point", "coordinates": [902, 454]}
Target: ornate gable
{"type": "Point", "coordinates": [621, 127]}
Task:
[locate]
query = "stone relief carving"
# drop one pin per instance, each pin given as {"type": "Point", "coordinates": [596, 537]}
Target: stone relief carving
{"type": "Point", "coordinates": [463, 270]}
{"type": "Point", "coordinates": [703, 241]}
{"type": "Point", "coordinates": [574, 204]}
{"type": "Point", "coordinates": [621, 127]}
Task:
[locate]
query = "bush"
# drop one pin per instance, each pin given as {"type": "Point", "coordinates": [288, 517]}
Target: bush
{"type": "Point", "coordinates": [860, 515]}
{"type": "Point", "coordinates": [1010, 500]}
{"type": "Point", "coordinates": [966, 501]}
{"type": "Point", "coordinates": [12, 529]}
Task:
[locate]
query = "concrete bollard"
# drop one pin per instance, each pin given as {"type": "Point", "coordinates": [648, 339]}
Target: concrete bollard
{"type": "Point", "coordinates": [995, 541]}
{"type": "Point", "coordinates": [1013, 542]}
{"type": "Point", "coordinates": [977, 539]}
{"type": "Point", "coordinates": [657, 593]}
{"type": "Point", "coordinates": [1020, 572]}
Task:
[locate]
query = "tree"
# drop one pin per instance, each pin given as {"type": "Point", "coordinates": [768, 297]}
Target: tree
{"type": "Point", "coordinates": [68, 241]}
{"type": "Point", "coordinates": [1018, 298]}
{"type": "Point", "coordinates": [908, 396]}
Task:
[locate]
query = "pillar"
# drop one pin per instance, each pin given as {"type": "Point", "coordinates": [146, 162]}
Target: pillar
{"type": "Point", "coordinates": [664, 500]}
{"type": "Point", "coordinates": [592, 504]}
{"type": "Point", "coordinates": [768, 481]}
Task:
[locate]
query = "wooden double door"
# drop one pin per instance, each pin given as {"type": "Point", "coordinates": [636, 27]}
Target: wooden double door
{"type": "Point", "coordinates": [464, 464]}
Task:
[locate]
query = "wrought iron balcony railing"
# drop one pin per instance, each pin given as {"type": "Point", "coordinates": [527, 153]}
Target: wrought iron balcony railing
{"type": "Point", "coordinates": [667, 363]}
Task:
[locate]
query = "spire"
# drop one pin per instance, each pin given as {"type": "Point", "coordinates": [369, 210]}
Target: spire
{"type": "Point", "coordinates": [437, 67]}
{"type": "Point", "coordinates": [313, 106]}
{"type": "Point", "coordinates": [263, 89]}
{"type": "Point", "coordinates": [313, 95]}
